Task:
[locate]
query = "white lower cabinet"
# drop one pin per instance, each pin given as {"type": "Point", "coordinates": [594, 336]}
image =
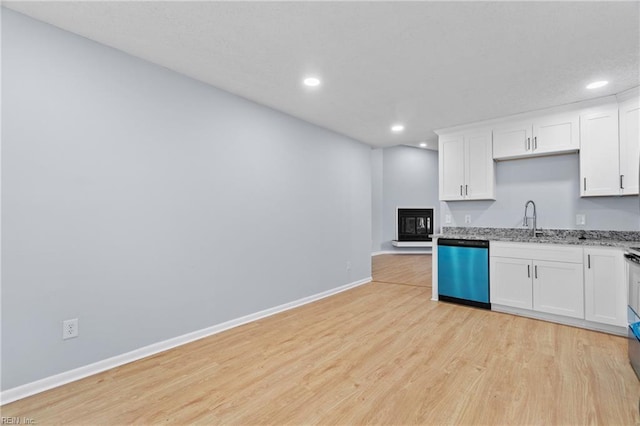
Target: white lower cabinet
{"type": "Point", "coordinates": [587, 284]}
{"type": "Point", "coordinates": [551, 287]}
{"type": "Point", "coordinates": [526, 276]}
{"type": "Point", "coordinates": [558, 288]}
{"type": "Point", "coordinates": [605, 288]}
{"type": "Point", "coordinates": [510, 282]}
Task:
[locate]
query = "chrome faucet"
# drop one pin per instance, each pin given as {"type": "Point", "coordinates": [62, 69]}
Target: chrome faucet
{"type": "Point", "coordinates": [525, 222]}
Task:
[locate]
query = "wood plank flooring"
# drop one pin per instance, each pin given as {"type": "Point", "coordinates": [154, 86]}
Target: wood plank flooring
{"type": "Point", "coordinates": [409, 269]}
{"type": "Point", "coordinates": [378, 354]}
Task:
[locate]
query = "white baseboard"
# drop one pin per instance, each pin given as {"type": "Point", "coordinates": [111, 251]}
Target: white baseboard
{"type": "Point", "coordinates": [23, 391]}
{"type": "Point", "coordinates": [414, 244]}
{"type": "Point", "coordinates": [378, 253]}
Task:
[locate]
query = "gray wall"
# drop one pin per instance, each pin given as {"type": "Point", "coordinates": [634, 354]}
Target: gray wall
{"type": "Point", "coordinates": [127, 191]}
{"type": "Point", "coordinates": [554, 184]}
{"type": "Point", "coordinates": [377, 198]}
{"type": "Point", "coordinates": [409, 179]}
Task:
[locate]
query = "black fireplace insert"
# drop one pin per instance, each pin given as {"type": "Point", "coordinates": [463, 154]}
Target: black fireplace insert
{"type": "Point", "coordinates": [415, 224]}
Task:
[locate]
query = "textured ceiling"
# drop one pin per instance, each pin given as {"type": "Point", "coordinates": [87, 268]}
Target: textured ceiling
{"type": "Point", "coordinates": [428, 65]}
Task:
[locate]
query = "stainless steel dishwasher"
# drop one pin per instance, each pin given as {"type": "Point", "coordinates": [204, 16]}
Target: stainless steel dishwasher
{"type": "Point", "coordinates": [463, 272]}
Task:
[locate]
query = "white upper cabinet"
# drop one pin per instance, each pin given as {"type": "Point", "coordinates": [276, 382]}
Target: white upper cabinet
{"type": "Point", "coordinates": [466, 166]}
{"type": "Point", "coordinates": [610, 148]}
{"type": "Point", "coordinates": [605, 131]}
{"type": "Point", "coordinates": [479, 167]}
{"type": "Point", "coordinates": [629, 145]}
{"type": "Point", "coordinates": [552, 134]}
{"type": "Point", "coordinates": [599, 152]}
{"type": "Point", "coordinates": [512, 141]}
{"type": "Point", "coordinates": [556, 134]}
{"type": "Point", "coordinates": [451, 156]}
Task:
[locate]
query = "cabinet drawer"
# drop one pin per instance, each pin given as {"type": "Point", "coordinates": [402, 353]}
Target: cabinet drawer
{"type": "Point", "coordinates": [535, 251]}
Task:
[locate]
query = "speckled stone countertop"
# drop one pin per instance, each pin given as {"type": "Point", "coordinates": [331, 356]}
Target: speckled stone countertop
{"type": "Point", "coordinates": [623, 239]}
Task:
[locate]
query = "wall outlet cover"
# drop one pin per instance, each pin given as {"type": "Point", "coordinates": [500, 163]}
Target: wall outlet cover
{"type": "Point", "coordinates": [447, 218]}
{"type": "Point", "coordinates": [467, 218]}
{"type": "Point", "coordinates": [581, 219]}
{"type": "Point", "coordinates": [69, 328]}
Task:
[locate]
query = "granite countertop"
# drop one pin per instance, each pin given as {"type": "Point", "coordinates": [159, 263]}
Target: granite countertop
{"type": "Point", "coordinates": [623, 239]}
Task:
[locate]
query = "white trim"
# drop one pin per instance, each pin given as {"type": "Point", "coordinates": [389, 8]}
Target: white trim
{"type": "Point", "coordinates": [628, 94]}
{"type": "Point", "coordinates": [412, 252]}
{"type": "Point", "coordinates": [434, 269]}
{"type": "Point", "coordinates": [378, 253]}
{"type": "Point", "coordinates": [23, 391]}
{"type": "Point", "coordinates": [397, 243]}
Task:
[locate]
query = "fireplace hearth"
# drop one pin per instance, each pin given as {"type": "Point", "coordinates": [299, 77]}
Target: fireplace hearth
{"type": "Point", "coordinates": [414, 224]}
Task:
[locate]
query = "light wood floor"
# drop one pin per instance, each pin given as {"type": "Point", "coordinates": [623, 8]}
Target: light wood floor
{"type": "Point", "coordinates": [409, 269]}
{"type": "Point", "coordinates": [378, 354]}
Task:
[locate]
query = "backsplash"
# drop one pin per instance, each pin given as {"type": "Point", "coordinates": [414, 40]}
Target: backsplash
{"type": "Point", "coordinates": [546, 233]}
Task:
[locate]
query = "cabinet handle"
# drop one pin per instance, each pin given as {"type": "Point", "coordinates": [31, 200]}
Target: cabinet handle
{"type": "Point", "coordinates": [621, 185]}
{"type": "Point", "coordinates": [535, 142]}
{"type": "Point", "coordinates": [461, 190]}
{"type": "Point", "coordinates": [535, 271]}
{"type": "Point", "coordinates": [466, 190]}
{"type": "Point", "coordinates": [528, 144]}
{"type": "Point", "coordinates": [528, 271]}
{"type": "Point", "coordinates": [585, 183]}
{"type": "Point", "coordinates": [588, 261]}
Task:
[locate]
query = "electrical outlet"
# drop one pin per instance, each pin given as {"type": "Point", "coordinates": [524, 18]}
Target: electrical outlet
{"type": "Point", "coordinates": [467, 218]}
{"type": "Point", "coordinates": [70, 328]}
{"type": "Point", "coordinates": [447, 218]}
{"type": "Point", "coordinates": [348, 265]}
{"type": "Point", "coordinates": [581, 219]}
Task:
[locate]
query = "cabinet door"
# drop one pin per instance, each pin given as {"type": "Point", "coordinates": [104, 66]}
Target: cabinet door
{"type": "Point", "coordinates": [605, 288]}
{"type": "Point", "coordinates": [556, 133]}
{"type": "Point", "coordinates": [510, 282]}
{"type": "Point", "coordinates": [512, 141]}
{"type": "Point", "coordinates": [451, 162]}
{"type": "Point", "coordinates": [629, 145]}
{"type": "Point", "coordinates": [599, 167]}
{"type": "Point", "coordinates": [479, 167]}
{"type": "Point", "coordinates": [558, 288]}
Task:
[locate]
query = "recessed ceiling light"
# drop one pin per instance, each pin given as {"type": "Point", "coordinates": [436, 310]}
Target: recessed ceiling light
{"type": "Point", "coordinates": [311, 81]}
{"type": "Point", "coordinates": [597, 84]}
{"type": "Point", "coordinates": [397, 128]}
